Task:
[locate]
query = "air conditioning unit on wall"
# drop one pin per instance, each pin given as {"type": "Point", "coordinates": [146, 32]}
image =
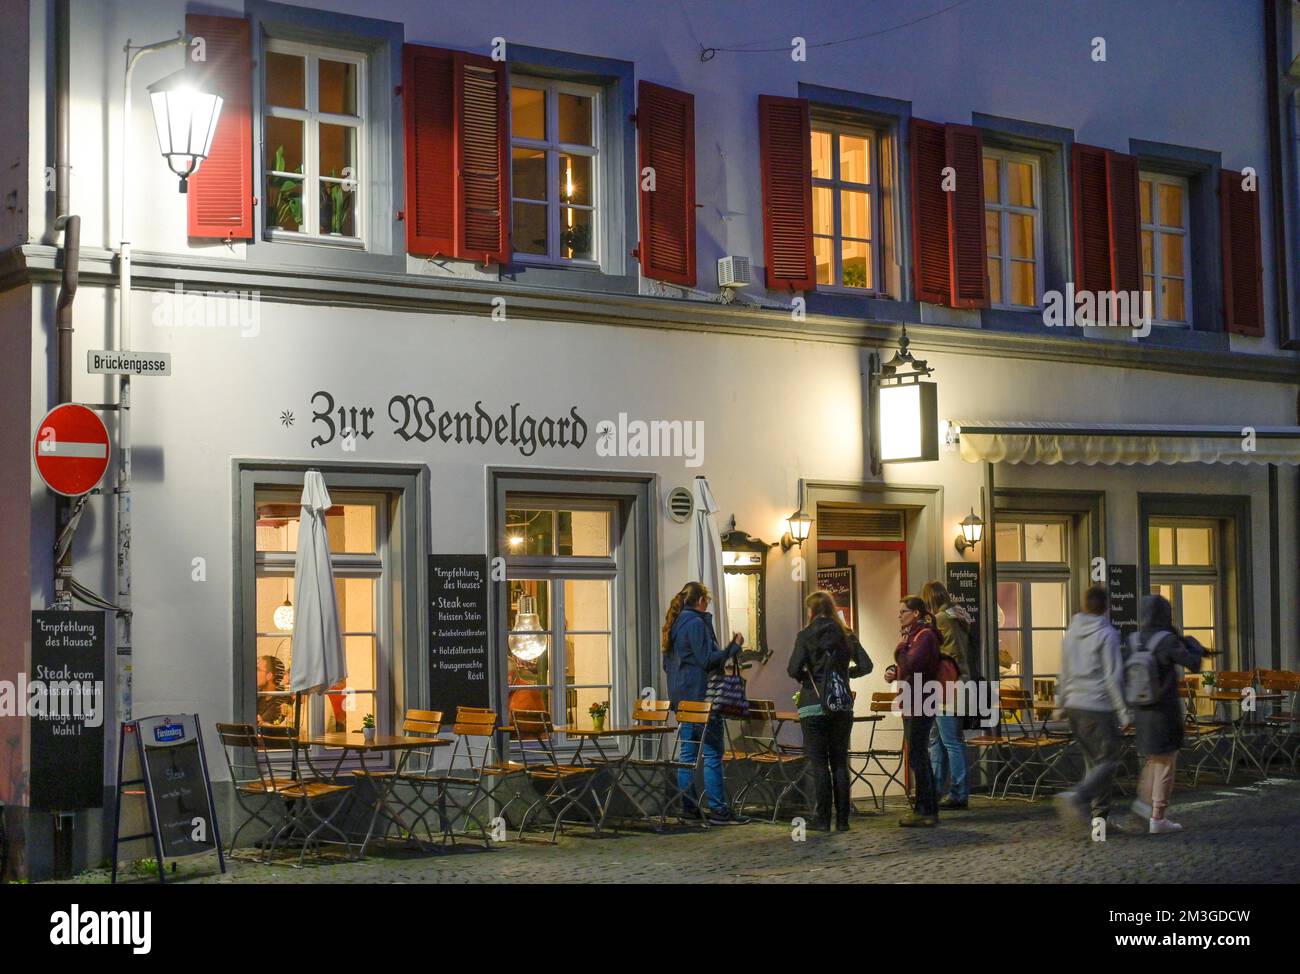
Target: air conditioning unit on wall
{"type": "Point", "coordinates": [733, 273]}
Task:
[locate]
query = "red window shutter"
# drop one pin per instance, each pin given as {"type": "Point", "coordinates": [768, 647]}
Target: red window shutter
{"type": "Point", "coordinates": [785, 154]}
{"type": "Point", "coordinates": [482, 158]}
{"type": "Point", "coordinates": [665, 121]}
{"type": "Point", "coordinates": [931, 252]}
{"type": "Point", "coordinates": [429, 108]}
{"type": "Point", "coordinates": [1243, 286]}
{"type": "Point", "coordinates": [1107, 220]}
{"type": "Point", "coordinates": [964, 152]}
{"type": "Point", "coordinates": [1092, 264]}
{"type": "Point", "coordinates": [1125, 222]}
{"type": "Point", "coordinates": [221, 192]}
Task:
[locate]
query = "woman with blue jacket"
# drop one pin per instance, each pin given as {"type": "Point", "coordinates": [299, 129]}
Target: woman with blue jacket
{"type": "Point", "coordinates": [691, 655]}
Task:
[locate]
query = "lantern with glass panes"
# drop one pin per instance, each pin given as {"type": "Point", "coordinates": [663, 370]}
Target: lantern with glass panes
{"type": "Point", "coordinates": [185, 118]}
{"type": "Point", "coordinates": [904, 409]}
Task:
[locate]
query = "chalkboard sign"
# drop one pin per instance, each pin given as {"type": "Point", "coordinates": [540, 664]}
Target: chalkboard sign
{"type": "Point", "coordinates": [458, 633]}
{"type": "Point", "coordinates": [164, 788]}
{"type": "Point", "coordinates": [1122, 581]}
{"type": "Point", "coordinates": [66, 703]}
{"type": "Point", "coordinates": [964, 587]}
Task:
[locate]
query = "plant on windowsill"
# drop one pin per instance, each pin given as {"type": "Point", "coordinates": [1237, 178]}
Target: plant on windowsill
{"type": "Point", "coordinates": [336, 207]}
{"type": "Point", "coordinates": [598, 712]}
{"type": "Point", "coordinates": [367, 731]}
{"type": "Point", "coordinates": [577, 241]}
{"type": "Point", "coordinates": [288, 196]}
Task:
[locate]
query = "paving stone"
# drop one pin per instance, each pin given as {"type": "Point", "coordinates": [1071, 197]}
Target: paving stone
{"type": "Point", "coordinates": [1241, 834]}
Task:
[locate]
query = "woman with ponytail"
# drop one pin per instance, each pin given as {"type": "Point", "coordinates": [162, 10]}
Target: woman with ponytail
{"type": "Point", "coordinates": [691, 654]}
{"type": "Point", "coordinates": [826, 656]}
{"type": "Point", "coordinates": [916, 663]}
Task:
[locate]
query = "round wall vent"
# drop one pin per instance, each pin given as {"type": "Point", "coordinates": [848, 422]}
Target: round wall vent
{"type": "Point", "coordinates": [680, 504]}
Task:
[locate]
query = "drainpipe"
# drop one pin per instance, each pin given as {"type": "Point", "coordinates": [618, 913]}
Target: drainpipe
{"type": "Point", "coordinates": [70, 225]}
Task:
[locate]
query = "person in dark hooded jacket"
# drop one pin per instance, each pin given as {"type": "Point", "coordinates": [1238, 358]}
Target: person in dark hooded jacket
{"type": "Point", "coordinates": [823, 647]}
{"type": "Point", "coordinates": [1159, 724]}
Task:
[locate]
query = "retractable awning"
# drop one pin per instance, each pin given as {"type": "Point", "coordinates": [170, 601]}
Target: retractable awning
{"type": "Point", "coordinates": [1091, 443]}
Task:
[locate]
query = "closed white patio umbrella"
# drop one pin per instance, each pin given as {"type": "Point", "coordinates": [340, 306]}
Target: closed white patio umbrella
{"type": "Point", "coordinates": [318, 661]}
{"type": "Point", "coordinates": [706, 556]}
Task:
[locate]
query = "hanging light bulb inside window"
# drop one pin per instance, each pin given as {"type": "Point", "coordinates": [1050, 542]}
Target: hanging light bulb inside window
{"type": "Point", "coordinates": [283, 616]}
{"type": "Point", "coordinates": [526, 643]}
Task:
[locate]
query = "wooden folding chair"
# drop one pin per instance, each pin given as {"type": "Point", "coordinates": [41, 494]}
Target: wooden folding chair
{"type": "Point", "coordinates": [463, 783]}
{"type": "Point", "coordinates": [559, 784]}
{"type": "Point", "coordinates": [689, 713]}
{"type": "Point", "coordinates": [1201, 735]}
{"type": "Point", "coordinates": [303, 820]}
{"type": "Point", "coordinates": [1282, 723]}
{"type": "Point", "coordinates": [776, 768]}
{"type": "Point", "coordinates": [417, 723]}
{"type": "Point", "coordinates": [1038, 746]}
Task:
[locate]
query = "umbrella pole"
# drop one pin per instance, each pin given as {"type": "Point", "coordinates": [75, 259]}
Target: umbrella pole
{"type": "Point", "coordinates": [297, 730]}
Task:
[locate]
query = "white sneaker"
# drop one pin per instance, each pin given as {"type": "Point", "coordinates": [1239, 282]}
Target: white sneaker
{"type": "Point", "coordinates": [1159, 826]}
{"type": "Point", "coordinates": [1141, 809]}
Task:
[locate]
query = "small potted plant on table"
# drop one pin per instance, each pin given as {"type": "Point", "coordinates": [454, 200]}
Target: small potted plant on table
{"type": "Point", "coordinates": [598, 712]}
{"type": "Point", "coordinates": [368, 728]}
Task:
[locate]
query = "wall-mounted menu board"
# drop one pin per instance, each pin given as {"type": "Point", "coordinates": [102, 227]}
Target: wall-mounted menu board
{"type": "Point", "coordinates": [1122, 581]}
{"type": "Point", "coordinates": [458, 633]}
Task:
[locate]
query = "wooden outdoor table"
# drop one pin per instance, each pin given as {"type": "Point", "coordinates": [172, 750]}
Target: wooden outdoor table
{"type": "Point", "coordinates": [384, 784]}
{"type": "Point", "coordinates": [617, 764]}
{"type": "Point", "coordinates": [1238, 723]}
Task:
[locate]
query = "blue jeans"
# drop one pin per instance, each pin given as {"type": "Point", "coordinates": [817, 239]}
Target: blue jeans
{"type": "Point", "coordinates": [713, 745]}
{"type": "Point", "coordinates": [948, 748]}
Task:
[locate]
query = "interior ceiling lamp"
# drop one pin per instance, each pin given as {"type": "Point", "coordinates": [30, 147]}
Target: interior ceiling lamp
{"type": "Point", "coordinates": [526, 643]}
{"type": "Point", "coordinates": [907, 409]}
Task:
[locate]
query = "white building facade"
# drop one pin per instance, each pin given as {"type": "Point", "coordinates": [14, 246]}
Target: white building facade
{"type": "Point", "coordinates": [424, 259]}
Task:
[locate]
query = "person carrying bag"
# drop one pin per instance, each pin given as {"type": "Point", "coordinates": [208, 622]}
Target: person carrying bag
{"type": "Point", "coordinates": [826, 656]}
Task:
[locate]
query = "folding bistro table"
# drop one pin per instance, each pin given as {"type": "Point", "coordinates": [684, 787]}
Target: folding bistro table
{"type": "Point", "coordinates": [384, 783]}
{"type": "Point", "coordinates": [615, 762]}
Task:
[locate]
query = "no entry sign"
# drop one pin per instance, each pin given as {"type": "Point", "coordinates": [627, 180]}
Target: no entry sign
{"type": "Point", "coordinates": [71, 449]}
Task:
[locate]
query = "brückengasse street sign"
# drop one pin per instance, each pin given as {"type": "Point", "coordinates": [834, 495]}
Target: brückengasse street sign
{"type": "Point", "coordinates": [128, 363]}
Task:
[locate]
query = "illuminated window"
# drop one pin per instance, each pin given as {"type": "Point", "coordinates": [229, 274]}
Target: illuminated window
{"type": "Point", "coordinates": [561, 567]}
{"type": "Point", "coordinates": [1185, 569]}
{"type": "Point", "coordinates": [1034, 590]}
{"type": "Point", "coordinates": [355, 526]}
{"type": "Point", "coordinates": [313, 143]}
{"type": "Point", "coordinates": [845, 198]}
{"type": "Point", "coordinates": [1013, 228]}
{"type": "Point", "coordinates": [554, 171]}
{"type": "Point", "coordinates": [1166, 257]}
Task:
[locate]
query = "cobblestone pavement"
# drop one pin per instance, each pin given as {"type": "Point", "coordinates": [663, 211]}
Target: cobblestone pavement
{"type": "Point", "coordinates": [1238, 834]}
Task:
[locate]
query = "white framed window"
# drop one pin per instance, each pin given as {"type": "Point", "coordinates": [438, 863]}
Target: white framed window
{"type": "Point", "coordinates": [562, 573]}
{"type": "Point", "coordinates": [1035, 582]}
{"type": "Point", "coordinates": [1013, 228]}
{"type": "Point", "coordinates": [1185, 567]}
{"type": "Point", "coordinates": [313, 143]}
{"type": "Point", "coordinates": [1166, 247]}
{"type": "Point", "coordinates": [357, 527]}
{"type": "Point", "coordinates": [555, 186]}
{"type": "Point", "coordinates": [846, 207]}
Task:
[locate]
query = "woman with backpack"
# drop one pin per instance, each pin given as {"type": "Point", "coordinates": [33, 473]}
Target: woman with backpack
{"type": "Point", "coordinates": [1151, 687]}
{"type": "Point", "coordinates": [947, 745]}
{"type": "Point", "coordinates": [827, 654]}
{"type": "Point", "coordinates": [917, 655]}
{"type": "Point", "coordinates": [691, 656]}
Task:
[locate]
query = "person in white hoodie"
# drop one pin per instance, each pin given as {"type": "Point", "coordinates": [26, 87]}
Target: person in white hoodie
{"type": "Point", "coordinates": [1091, 694]}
